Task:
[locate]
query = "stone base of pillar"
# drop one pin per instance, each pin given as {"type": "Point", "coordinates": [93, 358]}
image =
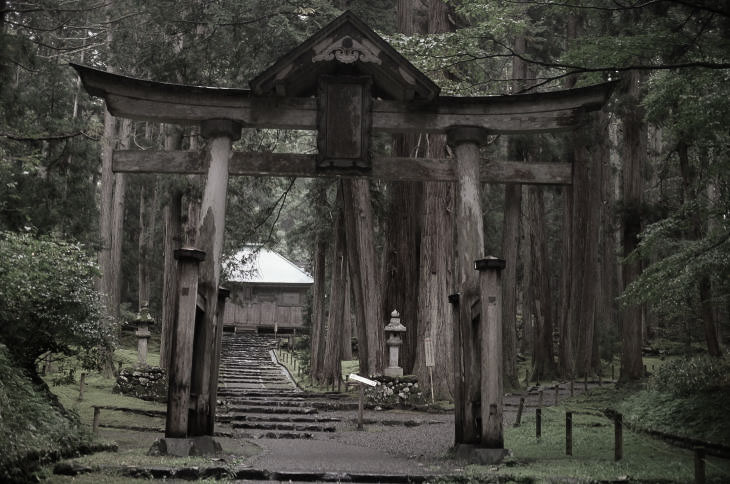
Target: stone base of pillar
{"type": "Point", "coordinates": [480, 455]}
{"type": "Point", "coordinates": [193, 446]}
{"type": "Point", "coordinates": [393, 371]}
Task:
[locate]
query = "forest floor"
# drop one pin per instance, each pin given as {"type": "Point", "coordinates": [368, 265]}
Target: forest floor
{"type": "Point", "coordinates": [645, 459]}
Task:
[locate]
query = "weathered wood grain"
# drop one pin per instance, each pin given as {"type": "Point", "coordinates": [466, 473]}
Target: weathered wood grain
{"type": "Point", "coordinates": [386, 168]}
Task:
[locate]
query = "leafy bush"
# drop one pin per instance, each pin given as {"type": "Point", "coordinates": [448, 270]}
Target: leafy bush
{"type": "Point", "coordinates": [47, 298]}
{"type": "Point", "coordinates": [685, 376]}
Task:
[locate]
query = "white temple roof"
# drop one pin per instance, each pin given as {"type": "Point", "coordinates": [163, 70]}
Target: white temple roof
{"type": "Point", "coordinates": [255, 263]}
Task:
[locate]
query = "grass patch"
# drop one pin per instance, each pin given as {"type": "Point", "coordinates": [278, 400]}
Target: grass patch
{"type": "Point", "coordinates": [304, 380]}
{"type": "Point", "coordinates": [545, 460]}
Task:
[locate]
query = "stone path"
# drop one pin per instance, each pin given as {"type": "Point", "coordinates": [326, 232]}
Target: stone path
{"type": "Point", "coordinates": [300, 432]}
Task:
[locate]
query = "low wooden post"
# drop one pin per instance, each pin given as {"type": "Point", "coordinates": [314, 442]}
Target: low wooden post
{"type": "Point", "coordinates": [539, 399]}
{"type": "Point", "coordinates": [538, 423]}
{"type": "Point", "coordinates": [360, 407]}
{"type": "Point", "coordinates": [95, 424]}
{"type": "Point", "coordinates": [613, 372]}
{"type": "Point", "coordinates": [82, 381]}
{"type": "Point", "coordinates": [568, 433]}
{"type": "Point", "coordinates": [585, 382]}
{"type": "Point", "coordinates": [178, 394]}
{"type": "Point", "coordinates": [119, 368]}
{"type": "Point", "coordinates": [527, 376]}
{"type": "Point", "coordinates": [492, 388]}
{"type": "Point", "coordinates": [557, 393]}
{"type": "Point", "coordinates": [518, 420]}
{"type": "Point", "coordinates": [618, 437]}
{"type": "Point", "coordinates": [699, 465]}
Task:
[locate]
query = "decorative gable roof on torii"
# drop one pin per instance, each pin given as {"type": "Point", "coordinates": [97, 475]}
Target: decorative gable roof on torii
{"type": "Point", "coordinates": [345, 44]}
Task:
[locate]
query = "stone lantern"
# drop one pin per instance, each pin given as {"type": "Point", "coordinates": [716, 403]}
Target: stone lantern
{"type": "Point", "coordinates": [394, 341]}
{"type": "Point", "coordinates": [143, 321]}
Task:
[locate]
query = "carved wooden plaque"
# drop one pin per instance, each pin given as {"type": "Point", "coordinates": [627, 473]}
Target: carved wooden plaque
{"type": "Point", "coordinates": [344, 119]}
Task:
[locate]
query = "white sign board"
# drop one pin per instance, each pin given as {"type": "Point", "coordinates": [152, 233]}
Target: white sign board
{"type": "Point", "coordinates": [429, 353]}
{"type": "Point", "coordinates": [363, 380]}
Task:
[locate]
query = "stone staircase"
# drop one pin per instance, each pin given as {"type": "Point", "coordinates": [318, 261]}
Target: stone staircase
{"type": "Point", "coordinates": [259, 398]}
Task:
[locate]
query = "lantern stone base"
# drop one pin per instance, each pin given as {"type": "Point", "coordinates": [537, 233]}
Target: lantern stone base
{"type": "Point", "coordinates": [480, 455]}
{"type": "Point", "coordinates": [393, 371]}
{"type": "Point", "coordinates": [186, 447]}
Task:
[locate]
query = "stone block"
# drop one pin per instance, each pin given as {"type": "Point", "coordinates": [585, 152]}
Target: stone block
{"type": "Point", "coordinates": [480, 455]}
{"type": "Point", "coordinates": [185, 447]}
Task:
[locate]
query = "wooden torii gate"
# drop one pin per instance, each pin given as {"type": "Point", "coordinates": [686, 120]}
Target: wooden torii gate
{"type": "Point", "coordinates": [346, 82]}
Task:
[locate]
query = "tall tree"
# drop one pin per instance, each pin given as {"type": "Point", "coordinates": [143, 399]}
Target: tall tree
{"type": "Point", "coordinates": [360, 243]}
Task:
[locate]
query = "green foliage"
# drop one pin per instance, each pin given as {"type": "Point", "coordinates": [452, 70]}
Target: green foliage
{"type": "Point", "coordinates": [699, 374]}
{"type": "Point", "coordinates": [32, 429]}
{"type": "Point", "coordinates": [47, 298]}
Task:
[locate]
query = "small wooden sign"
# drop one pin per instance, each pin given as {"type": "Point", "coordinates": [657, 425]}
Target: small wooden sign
{"type": "Point", "coordinates": [428, 343]}
{"type": "Point", "coordinates": [363, 380]}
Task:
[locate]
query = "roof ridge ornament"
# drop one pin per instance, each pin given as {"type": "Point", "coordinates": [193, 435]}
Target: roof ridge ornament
{"type": "Point", "coordinates": [347, 50]}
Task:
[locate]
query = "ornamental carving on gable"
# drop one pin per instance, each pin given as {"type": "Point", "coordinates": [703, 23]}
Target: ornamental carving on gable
{"type": "Point", "coordinates": [347, 50]}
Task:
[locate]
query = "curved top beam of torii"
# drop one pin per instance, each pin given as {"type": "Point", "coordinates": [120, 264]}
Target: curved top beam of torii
{"type": "Point", "coordinates": [183, 104]}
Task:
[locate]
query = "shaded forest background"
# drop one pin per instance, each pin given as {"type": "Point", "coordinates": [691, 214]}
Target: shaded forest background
{"type": "Point", "coordinates": [637, 254]}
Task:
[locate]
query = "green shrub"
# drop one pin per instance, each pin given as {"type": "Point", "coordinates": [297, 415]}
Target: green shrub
{"type": "Point", "coordinates": [685, 376]}
{"type": "Point", "coordinates": [47, 299]}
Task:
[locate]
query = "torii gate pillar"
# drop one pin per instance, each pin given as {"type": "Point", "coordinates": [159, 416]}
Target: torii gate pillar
{"type": "Point", "coordinates": [220, 135]}
{"type": "Point", "coordinates": [475, 437]}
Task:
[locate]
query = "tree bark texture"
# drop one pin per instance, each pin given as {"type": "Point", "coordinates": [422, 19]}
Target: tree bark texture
{"type": "Point", "coordinates": [634, 151]}
{"type": "Point", "coordinates": [173, 240]}
{"type": "Point", "coordinates": [360, 244]}
{"type": "Point", "coordinates": [332, 368]}
{"type": "Point", "coordinates": [347, 319]}
{"type": "Point", "coordinates": [318, 302]}
{"type": "Point", "coordinates": [511, 238]}
{"type": "Point", "coordinates": [541, 301]}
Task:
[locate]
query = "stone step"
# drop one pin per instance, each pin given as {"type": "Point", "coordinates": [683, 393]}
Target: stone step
{"type": "Point", "coordinates": [279, 426]}
{"type": "Point", "coordinates": [275, 410]}
{"type": "Point", "coordinates": [225, 418]}
{"type": "Point", "coordinates": [275, 435]}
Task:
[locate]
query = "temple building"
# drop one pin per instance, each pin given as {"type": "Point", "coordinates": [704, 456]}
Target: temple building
{"type": "Point", "coordinates": [268, 291]}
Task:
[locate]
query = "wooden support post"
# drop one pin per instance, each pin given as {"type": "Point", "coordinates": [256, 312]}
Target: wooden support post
{"type": "Point", "coordinates": [219, 135]}
{"type": "Point", "coordinates": [360, 406]}
{"type": "Point", "coordinates": [699, 465]}
{"type": "Point", "coordinates": [95, 424]}
{"type": "Point", "coordinates": [568, 433]}
{"type": "Point", "coordinates": [178, 394]}
{"type": "Point", "coordinates": [82, 381]}
{"type": "Point", "coordinates": [618, 437]}
{"type": "Point", "coordinates": [557, 394]}
{"type": "Point", "coordinates": [223, 294]}
{"type": "Point", "coordinates": [518, 420]}
{"type": "Point", "coordinates": [538, 423]}
{"type": "Point", "coordinates": [454, 300]}
{"type": "Point", "coordinates": [492, 389]}
{"type": "Point", "coordinates": [468, 247]}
